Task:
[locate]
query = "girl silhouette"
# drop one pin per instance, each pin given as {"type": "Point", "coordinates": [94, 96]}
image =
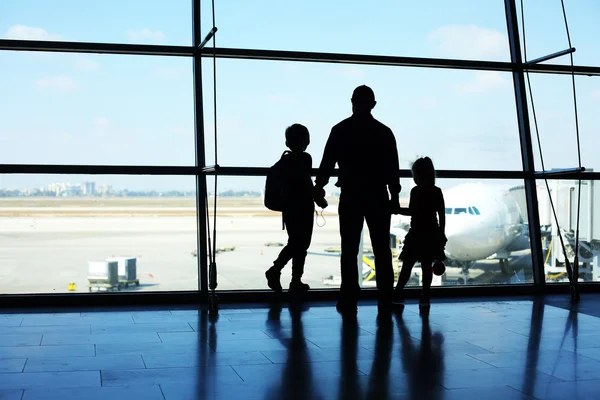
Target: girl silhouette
{"type": "Point", "coordinates": [425, 239]}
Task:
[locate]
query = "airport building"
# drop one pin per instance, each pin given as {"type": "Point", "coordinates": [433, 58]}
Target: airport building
{"type": "Point", "coordinates": [168, 116]}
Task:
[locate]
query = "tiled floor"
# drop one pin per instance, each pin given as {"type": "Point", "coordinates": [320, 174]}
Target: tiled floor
{"type": "Point", "coordinates": [462, 350]}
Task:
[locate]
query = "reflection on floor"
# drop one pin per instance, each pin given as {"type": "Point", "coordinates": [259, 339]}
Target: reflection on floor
{"type": "Point", "coordinates": [461, 350]}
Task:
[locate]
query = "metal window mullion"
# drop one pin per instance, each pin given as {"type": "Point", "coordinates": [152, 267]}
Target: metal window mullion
{"type": "Point", "coordinates": [201, 217]}
{"type": "Point", "coordinates": [526, 145]}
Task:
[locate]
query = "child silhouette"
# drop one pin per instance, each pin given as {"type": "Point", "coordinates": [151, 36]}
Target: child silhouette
{"type": "Point", "coordinates": [426, 239]}
{"type": "Point", "coordinates": [298, 210]}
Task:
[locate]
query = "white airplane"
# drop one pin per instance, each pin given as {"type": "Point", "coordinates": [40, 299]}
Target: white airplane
{"type": "Point", "coordinates": [482, 220]}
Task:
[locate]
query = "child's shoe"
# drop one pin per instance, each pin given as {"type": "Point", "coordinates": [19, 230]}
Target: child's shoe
{"type": "Point", "coordinates": [299, 287]}
{"type": "Point", "coordinates": [273, 279]}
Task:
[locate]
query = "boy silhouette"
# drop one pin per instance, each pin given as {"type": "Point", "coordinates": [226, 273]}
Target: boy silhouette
{"type": "Point", "coordinates": [298, 210]}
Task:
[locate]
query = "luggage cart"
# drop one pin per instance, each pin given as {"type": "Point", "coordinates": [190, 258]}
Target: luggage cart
{"type": "Point", "coordinates": [127, 271]}
{"type": "Point", "coordinates": [103, 275]}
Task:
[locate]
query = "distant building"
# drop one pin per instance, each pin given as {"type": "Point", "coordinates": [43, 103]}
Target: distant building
{"type": "Point", "coordinates": [88, 188]}
{"type": "Point", "coordinates": [104, 189]}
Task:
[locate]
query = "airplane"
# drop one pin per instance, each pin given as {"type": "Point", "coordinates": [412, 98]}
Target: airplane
{"type": "Point", "coordinates": [482, 221]}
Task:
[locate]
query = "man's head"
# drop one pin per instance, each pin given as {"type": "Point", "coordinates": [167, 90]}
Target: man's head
{"type": "Point", "coordinates": [363, 100]}
{"type": "Point", "coordinates": [297, 137]}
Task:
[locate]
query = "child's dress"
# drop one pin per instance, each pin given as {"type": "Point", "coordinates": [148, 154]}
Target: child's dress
{"type": "Point", "coordinates": [424, 240]}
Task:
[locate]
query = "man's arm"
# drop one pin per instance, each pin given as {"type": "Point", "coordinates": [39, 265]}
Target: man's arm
{"type": "Point", "coordinates": [393, 166]}
{"type": "Point", "coordinates": [330, 157]}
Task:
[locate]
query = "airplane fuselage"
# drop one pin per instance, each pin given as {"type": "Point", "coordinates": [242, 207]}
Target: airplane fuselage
{"type": "Point", "coordinates": [481, 220]}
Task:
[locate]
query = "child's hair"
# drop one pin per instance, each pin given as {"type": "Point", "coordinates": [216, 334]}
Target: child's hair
{"type": "Point", "coordinates": [423, 171]}
{"type": "Point", "coordinates": [297, 137]}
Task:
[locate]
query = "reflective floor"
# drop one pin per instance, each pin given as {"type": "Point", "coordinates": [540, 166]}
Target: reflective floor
{"type": "Point", "coordinates": [460, 350]}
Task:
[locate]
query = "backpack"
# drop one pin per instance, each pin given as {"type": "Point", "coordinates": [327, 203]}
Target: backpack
{"type": "Point", "coordinates": [274, 185]}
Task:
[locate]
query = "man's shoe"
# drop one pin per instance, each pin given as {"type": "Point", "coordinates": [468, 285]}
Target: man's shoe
{"type": "Point", "coordinates": [398, 296]}
{"type": "Point", "coordinates": [298, 287]}
{"type": "Point", "coordinates": [384, 307]}
{"type": "Point", "coordinates": [273, 279]}
{"type": "Point", "coordinates": [347, 307]}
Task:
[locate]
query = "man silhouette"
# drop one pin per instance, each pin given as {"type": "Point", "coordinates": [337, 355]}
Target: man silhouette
{"type": "Point", "coordinates": [366, 153]}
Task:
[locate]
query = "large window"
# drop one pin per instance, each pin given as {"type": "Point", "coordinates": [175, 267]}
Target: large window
{"type": "Point", "coordinates": [111, 21]}
{"type": "Point", "coordinates": [553, 99]}
{"type": "Point", "coordinates": [545, 29]}
{"type": "Point", "coordinates": [564, 194]}
{"type": "Point", "coordinates": [464, 29]}
{"type": "Point", "coordinates": [461, 119]}
{"type": "Point", "coordinates": [108, 120]}
{"type": "Point", "coordinates": [96, 109]}
{"type": "Point", "coordinates": [58, 230]}
{"type": "Point", "coordinates": [486, 226]}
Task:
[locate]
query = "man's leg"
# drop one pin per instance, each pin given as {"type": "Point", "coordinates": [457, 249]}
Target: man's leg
{"type": "Point", "coordinates": [378, 220]}
{"type": "Point", "coordinates": [351, 225]}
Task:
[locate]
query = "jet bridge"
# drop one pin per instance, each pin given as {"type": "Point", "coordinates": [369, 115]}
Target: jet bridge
{"type": "Point", "coordinates": [564, 196]}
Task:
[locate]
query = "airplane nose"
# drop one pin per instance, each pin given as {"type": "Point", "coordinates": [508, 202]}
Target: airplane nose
{"type": "Point", "coordinates": [462, 234]}
{"type": "Point", "coordinates": [458, 226]}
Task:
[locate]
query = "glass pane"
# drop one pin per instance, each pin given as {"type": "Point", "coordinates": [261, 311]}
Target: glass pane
{"type": "Point", "coordinates": [564, 195]}
{"type": "Point", "coordinates": [546, 34]}
{"type": "Point", "coordinates": [553, 97]}
{"type": "Point", "coordinates": [458, 29]}
{"type": "Point", "coordinates": [61, 229]}
{"type": "Point", "coordinates": [462, 119]}
{"type": "Point", "coordinates": [111, 21]}
{"type": "Point", "coordinates": [491, 247]}
{"type": "Point", "coordinates": [96, 109]}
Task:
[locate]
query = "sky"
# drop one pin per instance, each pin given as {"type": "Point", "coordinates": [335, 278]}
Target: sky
{"type": "Point", "coordinates": [60, 108]}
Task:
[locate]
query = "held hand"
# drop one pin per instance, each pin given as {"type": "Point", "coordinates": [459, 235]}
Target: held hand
{"type": "Point", "coordinates": [318, 193]}
{"type": "Point", "coordinates": [321, 202]}
{"type": "Point", "coordinates": [395, 206]}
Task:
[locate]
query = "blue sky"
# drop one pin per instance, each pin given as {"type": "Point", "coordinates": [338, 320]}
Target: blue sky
{"type": "Point", "coordinates": [138, 110]}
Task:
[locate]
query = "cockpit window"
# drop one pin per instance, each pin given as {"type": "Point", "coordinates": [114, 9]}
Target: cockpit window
{"type": "Point", "coordinates": [463, 210]}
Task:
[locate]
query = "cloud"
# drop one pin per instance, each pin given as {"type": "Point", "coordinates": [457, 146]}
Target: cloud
{"type": "Point", "coordinates": [63, 83]}
{"type": "Point", "coordinates": [101, 125]}
{"type": "Point", "coordinates": [484, 81]}
{"type": "Point", "coordinates": [145, 35]}
{"type": "Point", "coordinates": [101, 122]}
{"type": "Point", "coordinates": [85, 64]}
{"type": "Point", "coordinates": [65, 137]}
{"type": "Point", "coordinates": [22, 32]}
{"type": "Point", "coordinates": [352, 71]}
{"type": "Point", "coordinates": [470, 41]}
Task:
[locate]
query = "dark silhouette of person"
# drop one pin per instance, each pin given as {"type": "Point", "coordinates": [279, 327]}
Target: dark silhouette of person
{"type": "Point", "coordinates": [349, 384]}
{"type": "Point", "coordinates": [366, 154]}
{"type": "Point", "coordinates": [298, 209]}
{"type": "Point", "coordinates": [423, 363]}
{"type": "Point", "coordinates": [297, 380]}
{"type": "Point", "coordinates": [426, 237]}
{"type": "Point", "coordinates": [379, 379]}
